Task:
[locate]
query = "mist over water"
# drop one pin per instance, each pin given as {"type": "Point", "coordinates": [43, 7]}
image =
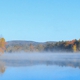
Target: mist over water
{"type": "Point", "coordinates": [40, 56]}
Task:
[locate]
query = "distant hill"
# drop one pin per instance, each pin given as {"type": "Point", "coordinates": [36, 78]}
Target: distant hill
{"type": "Point", "coordinates": [22, 42]}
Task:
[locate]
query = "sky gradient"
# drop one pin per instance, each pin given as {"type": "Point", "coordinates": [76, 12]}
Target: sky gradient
{"type": "Point", "coordinates": [40, 20]}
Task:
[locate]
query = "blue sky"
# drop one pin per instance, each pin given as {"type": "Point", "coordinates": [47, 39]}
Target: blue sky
{"type": "Point", "coordinates": [40, 20]}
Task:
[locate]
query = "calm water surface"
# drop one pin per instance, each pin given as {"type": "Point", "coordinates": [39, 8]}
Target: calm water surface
{"type": "Point", "coordinates": [66, 67]}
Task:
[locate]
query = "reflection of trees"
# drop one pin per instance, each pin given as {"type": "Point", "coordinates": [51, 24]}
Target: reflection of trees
{"type": "Point", "coordinates": [63, 63]}
{"type": "Point", "coordinates": [2, 67]}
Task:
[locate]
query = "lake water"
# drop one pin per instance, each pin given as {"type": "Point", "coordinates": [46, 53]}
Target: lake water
{"type": "Point", "coordinates": [40, 67]}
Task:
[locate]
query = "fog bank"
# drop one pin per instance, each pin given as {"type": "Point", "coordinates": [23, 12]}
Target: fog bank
{"type": "Point", "coordinates": [40, 56]}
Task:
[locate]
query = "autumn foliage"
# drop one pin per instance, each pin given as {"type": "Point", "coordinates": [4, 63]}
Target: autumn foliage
{"type": "Point", "coordinates": [61, 46]}
{"type": "Point", "coordinates": [2, 45]}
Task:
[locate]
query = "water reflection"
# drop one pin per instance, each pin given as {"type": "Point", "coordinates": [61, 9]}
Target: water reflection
{"type": "Point", "coordinates": [42, 68]}
{"type": "Point", "coordinates": [18, 63]}
{"type": "Point", "coordinates": [2, 67]}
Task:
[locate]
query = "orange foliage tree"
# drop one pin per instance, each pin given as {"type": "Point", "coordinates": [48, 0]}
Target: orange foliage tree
{"type": "Point", "coordinates": [31, 47]}
{"type": "Point", "coordinates": [2, 45]}
{"type": "Point", "coordinates": [74, 48]}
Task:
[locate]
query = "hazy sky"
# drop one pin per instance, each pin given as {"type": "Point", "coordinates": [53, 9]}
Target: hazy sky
{"type": "Point", "coordinates": [40, 20]}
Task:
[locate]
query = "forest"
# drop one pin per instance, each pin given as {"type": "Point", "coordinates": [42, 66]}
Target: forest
{"type": "Point", "coordinates": [61, 46]}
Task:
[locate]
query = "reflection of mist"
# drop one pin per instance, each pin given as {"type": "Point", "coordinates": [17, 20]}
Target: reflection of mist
{"type": "Point", "coordinates": [2, 67]}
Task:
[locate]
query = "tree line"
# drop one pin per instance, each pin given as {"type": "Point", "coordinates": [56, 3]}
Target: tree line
{"type": "Point", "coordinates": [61, 46]}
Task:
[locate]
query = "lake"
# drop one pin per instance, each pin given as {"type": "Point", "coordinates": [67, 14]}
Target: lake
{"type": "Point", "coordinates": [40, 66]}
